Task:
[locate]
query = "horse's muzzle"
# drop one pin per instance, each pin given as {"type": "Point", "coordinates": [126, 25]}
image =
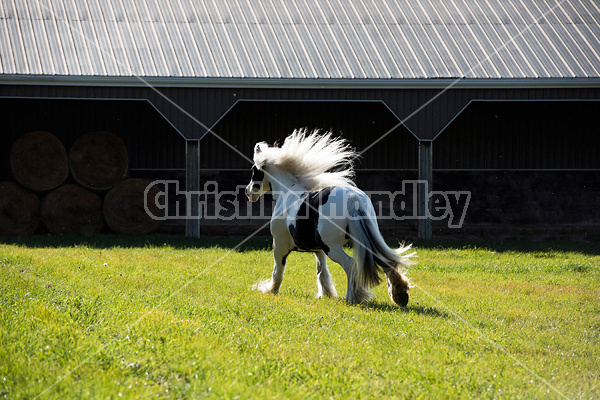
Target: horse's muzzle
{"type": "Point", "coordinates": [251, 196]}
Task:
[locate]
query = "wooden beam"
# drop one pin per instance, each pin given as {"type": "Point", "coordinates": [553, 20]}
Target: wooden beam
{"type": "Point", "coordinates": [192, 185]}
{"type": "Point", "coordinates": [424, 187]}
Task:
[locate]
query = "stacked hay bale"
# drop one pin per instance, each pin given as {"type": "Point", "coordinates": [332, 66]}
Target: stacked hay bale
{"type": "Point", "coordinates": [39, 161]}
{"type": "Point", "coordinates": [124, 207]}
{"type": "Point", "coordinates": [100, 195]}
{"type": "Point", "coordinates": [19, 210]}
{"type": "Point", "coordinates": [98, 161]}
{"type": "Point", "coordinates": [72, 210]}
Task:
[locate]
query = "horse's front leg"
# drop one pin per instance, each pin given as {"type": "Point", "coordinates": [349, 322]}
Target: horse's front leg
{"type": "Point", "coordinates": [272, 285]}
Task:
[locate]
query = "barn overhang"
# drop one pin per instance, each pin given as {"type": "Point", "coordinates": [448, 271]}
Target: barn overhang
{"type": "Point", "coordinates": [194, 105]}
{"type": "Point", "coordinates": [300, 83]}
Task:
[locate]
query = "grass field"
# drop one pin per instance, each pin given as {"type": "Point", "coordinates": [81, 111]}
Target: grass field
{"type": "Point", "coordinates": [130, 317]}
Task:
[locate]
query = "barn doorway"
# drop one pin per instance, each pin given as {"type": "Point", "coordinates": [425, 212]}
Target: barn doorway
{"type": "Point", "coordinates": [530, 165]}
{"type": "Point", "coordinates": [382, 167]}
{"type": "Point", "coordinates": [155, 150]}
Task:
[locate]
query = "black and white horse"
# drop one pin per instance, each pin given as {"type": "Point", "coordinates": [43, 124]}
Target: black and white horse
{"type": "Point", "coordinates": [318, 210]}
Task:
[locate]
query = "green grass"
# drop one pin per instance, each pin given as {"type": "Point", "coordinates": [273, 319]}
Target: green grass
{"type": "Point", "coordinates": [163, 318]}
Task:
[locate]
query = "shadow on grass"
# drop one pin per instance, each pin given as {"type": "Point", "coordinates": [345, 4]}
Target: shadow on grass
{"type": "Point", "coordinates": [409, 309]}
{"type": "Point", "coordinates": [107, 241]}
{"type": "Point", "coordinates": [521, 246]}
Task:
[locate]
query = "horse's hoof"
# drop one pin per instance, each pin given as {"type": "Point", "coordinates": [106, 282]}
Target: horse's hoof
{"type": "Point", "coordinates": [400, 298]}
{"type": "Point", "coordinates": [264, 287]}
{"type": "Point", "coordinates": [331, 295]}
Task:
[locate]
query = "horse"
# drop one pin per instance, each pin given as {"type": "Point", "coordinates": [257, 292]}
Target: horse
{"type": "Point", "coordinates": [319, 209]}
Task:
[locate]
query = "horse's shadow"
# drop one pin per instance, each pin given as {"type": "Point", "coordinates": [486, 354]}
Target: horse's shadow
{"type": "Point", "coordinates": [409, 309]}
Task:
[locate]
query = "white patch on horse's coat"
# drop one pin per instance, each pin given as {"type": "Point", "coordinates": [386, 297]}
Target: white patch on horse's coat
{"type": "Point", "coordinates": [298, 174]}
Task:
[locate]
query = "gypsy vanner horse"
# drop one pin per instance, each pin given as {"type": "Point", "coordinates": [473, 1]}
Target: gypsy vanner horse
{"type": "Point", "coordinates": [318, 208]}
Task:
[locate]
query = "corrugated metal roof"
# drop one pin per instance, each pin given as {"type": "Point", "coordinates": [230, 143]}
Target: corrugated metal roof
{"type": "Point", "coordinates": [305, 39]}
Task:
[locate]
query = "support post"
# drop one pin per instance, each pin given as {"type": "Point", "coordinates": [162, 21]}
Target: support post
{"type": "Point", "coordinates": [192, 185]}
{"type": "Point", "coordinates": [424, 187]}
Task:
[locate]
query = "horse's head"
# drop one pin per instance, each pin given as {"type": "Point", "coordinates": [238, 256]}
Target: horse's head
{"type": "Point", "coordinates": [259, 184]}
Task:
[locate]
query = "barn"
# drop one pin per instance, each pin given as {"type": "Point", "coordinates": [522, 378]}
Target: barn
{"type": "Point", "coordinates": [495, 99]}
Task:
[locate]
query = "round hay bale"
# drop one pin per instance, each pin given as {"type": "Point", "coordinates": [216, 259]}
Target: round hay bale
{"type": "Point", "coordinates": [39, 161]}
{"type": "Point", "coordinates": [72, 210]}
{"type": "Point", "coordinates": [124, 208]}
{"type": "Point", "coordinates": [19, 210]}
{"type": "Point", "coordinates": [98, 160]}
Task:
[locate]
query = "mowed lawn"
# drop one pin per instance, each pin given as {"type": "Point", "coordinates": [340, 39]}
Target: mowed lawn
{"type": "Point", "coordinates": [129, 317]}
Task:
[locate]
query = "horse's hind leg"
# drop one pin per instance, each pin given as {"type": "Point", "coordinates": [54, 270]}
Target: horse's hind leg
{"type": "Point", "coordinates": [272, 285]}
{"type": "Point", "coordinates": [324, 281]}
{"type": "Point", "coordinates": [355, 293]}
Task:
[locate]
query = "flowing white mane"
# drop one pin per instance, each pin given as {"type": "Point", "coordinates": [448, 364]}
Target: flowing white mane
{"type": "Point", "coordinates": [310, 158]}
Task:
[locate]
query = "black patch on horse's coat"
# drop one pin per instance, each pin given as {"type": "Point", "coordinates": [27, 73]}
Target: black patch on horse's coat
{"type": "Point", "coordinates": [305, 233]}
{"type": "Point", "coordinates": [284, 258]}
{"type": "Point", "coordinates": [257, 174]}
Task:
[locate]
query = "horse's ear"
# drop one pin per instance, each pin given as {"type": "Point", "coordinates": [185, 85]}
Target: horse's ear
{"type": "Point", "coordinates": [260, 146]}
{"type": "Point", "coordinates": [276, 144]}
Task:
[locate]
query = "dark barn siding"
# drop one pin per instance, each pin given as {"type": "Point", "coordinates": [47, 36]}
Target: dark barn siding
{"type": "Point", "coordinates": [528, 135]}
{"type": "Point", "coordinates": [249, 122]}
